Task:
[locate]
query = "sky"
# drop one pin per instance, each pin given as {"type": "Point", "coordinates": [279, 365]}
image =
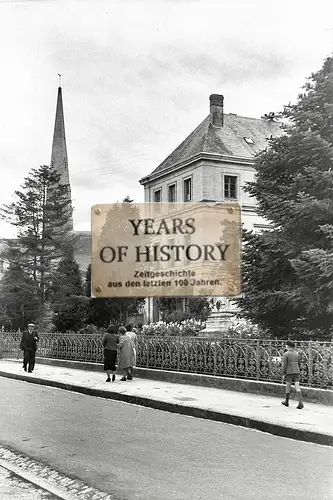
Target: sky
{"type": "Point", "coordinates": [136, 80]}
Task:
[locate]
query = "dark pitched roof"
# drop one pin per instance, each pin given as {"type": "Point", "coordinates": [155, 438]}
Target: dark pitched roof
{"type": "Point", "coordinates": [227, 140]}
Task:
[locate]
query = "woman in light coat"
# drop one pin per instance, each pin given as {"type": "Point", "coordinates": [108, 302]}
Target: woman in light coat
{"type": "Point", "coordinates": [131, 332]}
{"type": "Point", "coordinates": [125, 354]}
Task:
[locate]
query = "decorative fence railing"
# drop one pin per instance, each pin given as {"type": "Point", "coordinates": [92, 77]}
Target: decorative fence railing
{"type": "Point", "coordinates": [239, 358]}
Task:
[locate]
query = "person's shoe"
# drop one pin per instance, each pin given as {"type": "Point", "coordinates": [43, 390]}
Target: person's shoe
{"type": "Point", "coordinates": [286, 401]}
{"type": "Point", "coordinates": [300, 400]}
{"type": "Point", "coordinates": [129, 377]}
{"type": "Point", "coordinates": [108, 380]}
{"type": "Point", "coordinates": [123, 379]}
{"type": "Point", "coordinates": [25, 369]}
{"type": "Point", "coordinates": [113, 378]}
{"type": "Point", "coordinates": [29, 371]}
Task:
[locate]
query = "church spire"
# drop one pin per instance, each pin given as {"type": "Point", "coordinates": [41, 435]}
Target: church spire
{"type": "Point", "coordinates": [59, 159]}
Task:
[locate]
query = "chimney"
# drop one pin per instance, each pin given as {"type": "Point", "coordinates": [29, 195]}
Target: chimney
{"type": "Point", "coordinates": [216, 110]}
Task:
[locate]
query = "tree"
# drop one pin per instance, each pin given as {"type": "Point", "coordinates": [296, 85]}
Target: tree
{"type": "Point", "coordinates": [41, 214]}
{"type": "Point", "coordinates": [19, 303]}
{"type": "Point", "coordinates": [268, 281]}
{"type": "Point", "coordinates": [118, 231]}
{"type": "Point", "coordinates": [167, 305]}
{"type": "Point", "coordinates": [116, 310]}
{"type": "Point", "coordinates": [288, 271]}
{"type": "Point", "coordinates": [69, 302]}
{"type": "Point", "coordinates": [99, 310]}
{"type": "Point", "coordinates": [197, 308]}
{"type": "Point", "coordinates": [102, 312]}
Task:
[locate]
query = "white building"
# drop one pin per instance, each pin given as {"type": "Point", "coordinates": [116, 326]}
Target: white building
{"type": "Point", "coordinates": [213, 164]}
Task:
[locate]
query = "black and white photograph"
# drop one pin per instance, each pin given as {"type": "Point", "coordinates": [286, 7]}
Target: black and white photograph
{"type": "Point", "coordinates": [166, 250]}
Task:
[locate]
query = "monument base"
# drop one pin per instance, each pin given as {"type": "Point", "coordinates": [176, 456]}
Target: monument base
{"type": "Point", "coordinates": [218, 323]}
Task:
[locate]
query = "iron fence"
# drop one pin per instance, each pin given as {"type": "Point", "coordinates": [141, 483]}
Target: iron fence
{"type": "Point", "coordinates": [238, 358]}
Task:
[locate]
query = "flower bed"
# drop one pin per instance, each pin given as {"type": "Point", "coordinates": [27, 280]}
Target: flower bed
{"type": "Point", "coordinates": [186, 328]}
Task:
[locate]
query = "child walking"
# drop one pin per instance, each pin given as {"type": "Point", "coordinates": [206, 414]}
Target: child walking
{"type": "Point", "coordinates": [291, 363]}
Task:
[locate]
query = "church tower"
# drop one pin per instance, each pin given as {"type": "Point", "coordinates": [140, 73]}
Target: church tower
{"type": "Point", "coordinates": [59, 159]}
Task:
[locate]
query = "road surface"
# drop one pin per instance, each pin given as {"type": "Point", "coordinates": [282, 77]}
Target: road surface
{"type": "Point", "coordinates": [145, 454]}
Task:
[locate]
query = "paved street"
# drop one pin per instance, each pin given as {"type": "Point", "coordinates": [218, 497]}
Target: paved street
{"type": "Point", "coordinates": [139, 453]}
{"type": "Point", "coordinates": [244, 407]}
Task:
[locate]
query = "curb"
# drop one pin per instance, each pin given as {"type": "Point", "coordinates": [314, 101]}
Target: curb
{"type": "Point", "coordinates": [250, 423]}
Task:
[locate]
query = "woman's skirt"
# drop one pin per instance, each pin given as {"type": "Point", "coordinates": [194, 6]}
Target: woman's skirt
{"type": "Point", "coordinates": [110, 358]}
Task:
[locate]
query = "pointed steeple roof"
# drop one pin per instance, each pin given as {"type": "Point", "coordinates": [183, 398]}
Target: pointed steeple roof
{"type": "Point", "coordinates": [59, 159]}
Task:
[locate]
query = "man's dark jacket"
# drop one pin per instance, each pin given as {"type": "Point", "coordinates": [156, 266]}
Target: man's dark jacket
{"type": "Point", "coordinates": [29, 340]}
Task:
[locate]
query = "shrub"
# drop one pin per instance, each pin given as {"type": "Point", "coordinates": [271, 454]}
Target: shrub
{"type": "Point", "coordinates": [197, 308]}
{"type": "Point", "coordinates": [242, 329]}
{"type": "Point", "coordinates": [186, 328]}
{"type": "Point", "coordinates": [177, 316]}
{"type": "Point", "coordinates": [91, 329]}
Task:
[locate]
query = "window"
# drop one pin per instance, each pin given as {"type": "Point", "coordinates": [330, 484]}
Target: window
{"type": "Point", "coordinates": [172, 193]}
{"type": "Point", "coordinates": [249, 140]}
{"type": "Point", "coordinates": [157, 200]}
{"type": "Point", "coordinates": [230, 187]}
{"type": "Point", "coordinates": [187, 189]}
{"type": "Point", "coordinates": [157, 196]}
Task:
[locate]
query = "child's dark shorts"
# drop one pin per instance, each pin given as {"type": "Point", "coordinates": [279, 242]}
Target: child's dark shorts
{"type": "Point", "coordinates": [292, 377]}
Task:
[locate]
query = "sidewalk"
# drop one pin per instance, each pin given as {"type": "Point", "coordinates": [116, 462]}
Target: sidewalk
{"type": "Point", "coordinates": [265, 413]}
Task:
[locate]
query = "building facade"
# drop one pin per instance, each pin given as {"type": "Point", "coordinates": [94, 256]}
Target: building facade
{"type": "Point", "coordinates": [213, 164]}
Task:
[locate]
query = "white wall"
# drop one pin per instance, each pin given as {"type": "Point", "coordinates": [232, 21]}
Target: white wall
{"type": "Point", "coordinates": [207, 184]}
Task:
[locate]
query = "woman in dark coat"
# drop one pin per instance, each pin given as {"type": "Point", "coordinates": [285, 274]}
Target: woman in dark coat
{"type": "Point", "coordinates": [110, 343]}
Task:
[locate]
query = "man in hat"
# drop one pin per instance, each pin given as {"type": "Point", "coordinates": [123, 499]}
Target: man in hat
{"type": "Point", "coordinates": [29, 347]}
